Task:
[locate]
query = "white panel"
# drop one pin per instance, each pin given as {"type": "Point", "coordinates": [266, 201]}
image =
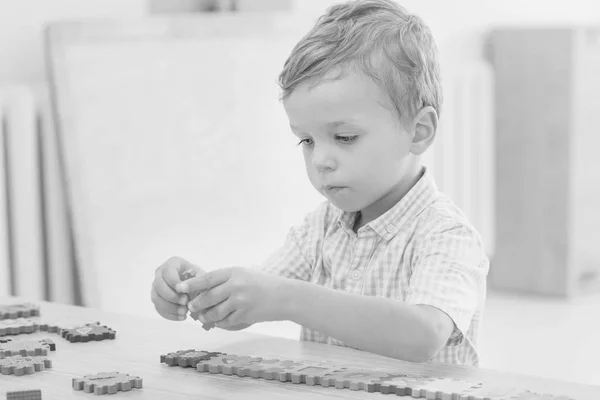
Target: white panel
{"type": "Point", "coordinates": [24, 191]}
{"type": "Point", "coordinates": [166, 157]}
{"type": "Point", "coordinates": [4, 238]}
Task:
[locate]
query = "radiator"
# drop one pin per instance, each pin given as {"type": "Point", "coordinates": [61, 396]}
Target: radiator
{"type": "Point", "coordinates": [34, 238]}
{"type": "Point", "coordinates": [462, 157]}
{"type": "Point", "coordinates": [35, 243]}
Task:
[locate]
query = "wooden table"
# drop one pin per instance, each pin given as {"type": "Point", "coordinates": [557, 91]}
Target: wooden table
{"type": "Point", "coordinates": [140, 342]}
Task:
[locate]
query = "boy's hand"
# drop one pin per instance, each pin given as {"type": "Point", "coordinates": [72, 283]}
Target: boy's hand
{"type": "Point", "coordinates": [168, 303]}
{"type": "Point", "coordinates": [235, 296]}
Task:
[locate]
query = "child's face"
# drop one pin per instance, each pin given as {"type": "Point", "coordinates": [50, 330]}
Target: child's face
{"type": "Point", "coordinates": [355, 148]}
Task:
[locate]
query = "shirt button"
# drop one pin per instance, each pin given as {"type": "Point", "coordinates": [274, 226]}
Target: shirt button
{"type": "Point", "coordinates": [391, 228]}
{"type": "Point", "coordinates": [356, 274]}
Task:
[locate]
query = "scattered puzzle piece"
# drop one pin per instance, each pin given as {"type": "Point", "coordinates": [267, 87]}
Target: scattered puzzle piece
{"type": "Point", "coordinates": [359, 379]}
{"type": "Point", "coordinates": [14, 311]}
{"type": "Point", "coordinates": [187, 358]}
{"type": "Point", "coordinates": [88, 333]}
{"type": "Point", "coordinates": [59, 326]}
{"type": "Point", "coordinates": [28, 348]}
{"type": "Point", "coordinates": [107, 383]}
{"type": "Point", "coordinates": [184, 276]}
{"type": "Point", "coordinates": [24, 395]}
{"type": "Point", "coordinates": [447, 389]}
{"type": "Point", "coordinates": [225, 364]}
{"type": "Point", "coordinates": [17, 326]}
{"type": "Point", "coordinates": [19, 365]}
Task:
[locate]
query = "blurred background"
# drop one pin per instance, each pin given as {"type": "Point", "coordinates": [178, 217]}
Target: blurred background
{"type": "Point", "coordinates": [135, 130]}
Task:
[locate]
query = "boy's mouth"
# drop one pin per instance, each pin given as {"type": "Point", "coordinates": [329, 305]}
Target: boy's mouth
{"type": "Point", "coordinates": [332, 188]}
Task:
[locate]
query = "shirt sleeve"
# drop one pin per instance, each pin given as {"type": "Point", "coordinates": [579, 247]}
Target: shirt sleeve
{"type": "Point", "coordinates": [449, 269]}
{"type": "Point", "coordinates": [297, 257]}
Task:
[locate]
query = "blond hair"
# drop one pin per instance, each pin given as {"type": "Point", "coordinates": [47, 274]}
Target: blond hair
{"type": "Point", "coordinates": [378, 38]}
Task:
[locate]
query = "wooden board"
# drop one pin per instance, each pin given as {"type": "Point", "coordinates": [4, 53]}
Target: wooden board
{"type": "Point", "coordinates": [162, 158]}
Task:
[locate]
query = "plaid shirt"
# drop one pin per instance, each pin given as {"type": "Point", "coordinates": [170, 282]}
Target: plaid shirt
{"type": "Point", "coordinates": [422, 251]}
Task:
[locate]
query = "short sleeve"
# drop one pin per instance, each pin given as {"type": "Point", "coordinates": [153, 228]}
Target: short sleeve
{"type": "Point", "coordinates": [297, 257]}
{"type": "Point", "coordinates": [449, 269]}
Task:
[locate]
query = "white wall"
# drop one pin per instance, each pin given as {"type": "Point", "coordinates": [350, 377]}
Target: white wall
{"type": "Point", "coordinates": [21, 27]}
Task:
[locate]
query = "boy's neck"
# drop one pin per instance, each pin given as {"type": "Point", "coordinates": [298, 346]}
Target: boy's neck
{"type": "Point", "coordinates": [389, 200]}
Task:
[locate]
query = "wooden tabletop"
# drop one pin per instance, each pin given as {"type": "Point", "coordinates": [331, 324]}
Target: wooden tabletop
{"type": "Point", "coordinates": [140, 342]}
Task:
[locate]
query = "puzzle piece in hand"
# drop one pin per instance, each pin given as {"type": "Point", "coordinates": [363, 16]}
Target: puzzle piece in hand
{"type": "Point", "coordinates": [88, 333]}
{"type": "Point", "coordinates": [19, 365]}
{"type": "Point", "coordinates": [59, 326]}
{"type": "Point", "coordinates": [107, 383]}
{"type": "Point", "coordinates": [184, 276]}
{"type": "Point", "coordinates": [24, 395]}
{"type": "Point", "coordinates": [18, 326]}
{"type": "Point", "coordinates": [14, 311]}
{"type": "Point", "coordinates": [187, 358]}
{"type": "Point", "coordinates": [28, 348]}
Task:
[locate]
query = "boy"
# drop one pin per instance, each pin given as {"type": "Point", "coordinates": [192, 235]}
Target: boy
{"type": "Point", "coordinates": [387, 264]}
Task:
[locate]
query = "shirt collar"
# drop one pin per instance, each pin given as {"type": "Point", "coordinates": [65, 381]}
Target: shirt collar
{"type": "Point", "coordinates": [420, 196]}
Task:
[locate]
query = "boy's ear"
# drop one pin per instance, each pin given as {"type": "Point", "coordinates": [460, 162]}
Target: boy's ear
{"type": "Point", "coordinates": [425, 128]}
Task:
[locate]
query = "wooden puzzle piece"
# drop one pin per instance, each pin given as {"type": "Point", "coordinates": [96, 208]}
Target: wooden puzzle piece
{"type": "Point", "coordinates": [28, 348]}
{"type": "Point", "coordinates": [447, 388]}
{"type": "Point", "coordinates": [187, 358]}
{"type": "Point", "coordinates": [19, 365]}
{"type": "Point", "coordinates": [17, 326]}
{"type": "Point", "coordinates": [317, 374]}
{"type": "Point", "coordinates": [107, 383]}
{"type": "Point", "coordinates": [59, 326]}
{"type": "Point", "coordinates": [184, 276]}
{"type": "Point", "coordinates": [88, 333]}
{"type": "Point", "coordinates": [35, 394]}
{"type": "Point", "coordinates": [399, 384]}
{"type": "Point", "coordinates": [356, 379]}
{"type": "Point", "coordinates": [280, 371]}
{"type": "Point", "coordinates": [225, 364]}
{"type": "Point", "coordinates": [14, 311]}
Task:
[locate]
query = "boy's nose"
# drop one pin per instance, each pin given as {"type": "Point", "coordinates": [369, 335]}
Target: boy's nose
{"type": "Point", "coordinates": [322, 160]}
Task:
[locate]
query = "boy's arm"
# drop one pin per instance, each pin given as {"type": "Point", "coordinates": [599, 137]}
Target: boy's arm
{"type": "Point", "coordinates": [448, 269]}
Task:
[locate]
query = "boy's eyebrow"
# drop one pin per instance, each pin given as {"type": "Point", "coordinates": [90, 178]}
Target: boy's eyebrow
{"type": "Point", "coordinates": [337, 124]}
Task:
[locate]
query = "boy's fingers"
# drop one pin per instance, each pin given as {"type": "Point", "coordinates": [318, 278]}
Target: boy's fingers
{"type": "Point", "coordinates": [204, 282]}
{"type": "Point", "coordinates": [163, 307]}
{"type": "Point", "coordinates": [209, 298]}
{"type": "Point", "coordinates": [168, 294]}
{"type": "Point", "coordinates": [219, 312]}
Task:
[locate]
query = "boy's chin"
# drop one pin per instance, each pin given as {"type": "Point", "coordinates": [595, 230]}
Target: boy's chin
{"type": "Point", "coordinates": [345, 205]}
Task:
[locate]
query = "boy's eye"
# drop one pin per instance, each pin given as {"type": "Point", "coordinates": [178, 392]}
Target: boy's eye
{"type": "Point", "coordinates": [306, 142]}
{"type": "Point", "coordinates": [346, 139]}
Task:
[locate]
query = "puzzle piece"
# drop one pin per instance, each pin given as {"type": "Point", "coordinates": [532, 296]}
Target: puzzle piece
{"type": "Point", "coordinates": [28, 348]}
{"type": "Point", "coordinates": [14, 311]}
{"type": "Point", "coordinates": [24, 395]}
{"type": "Point", "coordinates": [19, 365]}
{"type": "Point", "coordinates": [225, 364]}
{"type": "Point", "coordinates": [187, 358]}
{"type": "Point", "coordinates": [280, 371]}
{"type": "Point", "coordinates": [88, 333]}
{"type": "Point", "coordinates": [107, 383]}
{"type": "Point", "coordinates": [447, 388]}
{"type": "Point", "coordinates": [256, 368]}
{"type": "Point", "coordinates": [17, 326]}
{"type": "Point", "coordinates": [59, 326]}
{"type": "Point", "coordinates": [316, 374]}
{"type": "Point", "coordinates": [359, 379]}
{"type": "Point", "coordinates": [184, 276]}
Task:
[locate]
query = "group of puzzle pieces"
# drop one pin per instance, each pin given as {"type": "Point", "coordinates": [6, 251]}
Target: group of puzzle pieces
{"type": "Point", "coordinates": [26, 357]}
{"type": "Point", "coordinates": [328, 374]}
